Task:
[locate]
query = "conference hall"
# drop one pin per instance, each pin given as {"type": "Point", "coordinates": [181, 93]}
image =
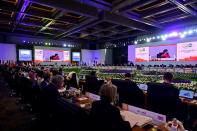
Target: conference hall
{"type": "Point", "coordinates": [98, 65]}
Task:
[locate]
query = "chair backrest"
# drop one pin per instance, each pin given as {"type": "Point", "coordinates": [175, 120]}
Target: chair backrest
{"type": "Point", "coordinates": [26, 89]}
{"type": "Point", "coordinates": [129, 93]}
{"type": "Point", "coordinates": [73, 81]}
{"type": "Point", "coordinates": [162, 98]}
{"type": "Point", "coordinates": [93, 85]}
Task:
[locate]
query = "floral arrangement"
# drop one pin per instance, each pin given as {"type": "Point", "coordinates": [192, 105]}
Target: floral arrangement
{"type": "Point", "coordinates": [181, 80]}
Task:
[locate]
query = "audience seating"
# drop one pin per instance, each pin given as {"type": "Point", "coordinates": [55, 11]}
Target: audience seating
{"type": "Point", "coordinates": [161, 98]}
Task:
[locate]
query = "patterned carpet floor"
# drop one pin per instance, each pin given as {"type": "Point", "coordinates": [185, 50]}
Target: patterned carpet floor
{"type": "Point", "coordinates": [12, 118]}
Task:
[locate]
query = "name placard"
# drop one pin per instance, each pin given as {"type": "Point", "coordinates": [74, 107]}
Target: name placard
{"type": "Point", "coordinates": [155, 116]}
{"type": "Point", "coordinates": [92, 96]}
{"type": "Point", "coordinates": [159, 118]}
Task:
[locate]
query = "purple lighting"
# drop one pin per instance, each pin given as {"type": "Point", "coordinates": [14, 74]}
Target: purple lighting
{"type": "Point", "coordinates": [24, 6]}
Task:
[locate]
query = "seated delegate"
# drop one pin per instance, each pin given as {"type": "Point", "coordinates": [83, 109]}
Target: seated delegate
{"type": "Point", "coordinates": [104, 115]}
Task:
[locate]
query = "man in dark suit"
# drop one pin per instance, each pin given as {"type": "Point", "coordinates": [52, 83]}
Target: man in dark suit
{"type": "Point", "coordinates": [50, 95]}
{"type": "Point", "coordinates": [164, 97]}
{"type": "Point", "coordinates": [92, 83]}
{"type": "Point", "coordinates": [129, 92]}
{"type": "Point", "coordinates": [47, 77]}
{"type": "Point", "coordinates": [170, 90]}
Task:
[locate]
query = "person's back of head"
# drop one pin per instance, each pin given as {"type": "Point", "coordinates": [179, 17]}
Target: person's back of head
{"type": "Point", "coordinates": [74, 76]}
{"type": "Point", "coordinates": [42, 68]}
{"type": "Point", "coordinates": [40, 74]}
{"type": "Point", "coordinates": [58, 81]}
{"type": "Point", "coordinates": [108, 92]}
{"type": "Point", "coordinates": [47, 77]}
{"type": "Point", "coordinates": [127, 76]}
{"type": "Point", "coordinates": [93, 74]}
{"type": "Point", "coordinates": [167, 77]}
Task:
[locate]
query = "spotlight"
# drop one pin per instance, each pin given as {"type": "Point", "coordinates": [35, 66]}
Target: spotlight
{"type": "Point", "coordinates": [158, 37]}
{"type": "Point", "coordinates": [175, 34]}
{"type": "Point", "coordinates": [185, 33]}
{"type": "Point", "coordinates": [64, 45]}
{"type": "Point", "coordinates": [46, 43]}
{"type": "Point", "coordinates": [190, 32]}
{"type": "Point", "coordinates": [166, 36]}
{"type": "Point", "coordinates": [135, 42]}
{"type": "Point", "coordinates": [24, 41]}
{"type": "Point", "coordinates": [182, 35]}
{"type": "Point", "coordinates": [147, 40]}
{"type": "Point", "coordinates": [163, 38]}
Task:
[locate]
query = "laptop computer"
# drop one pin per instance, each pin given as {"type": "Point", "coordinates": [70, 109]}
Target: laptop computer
{"type": "Point", "coordinates": [195, 95]}
{"type": "Point", "coordinates": [186, 94]}
{"type": "Point", "coordinates": [143, 87]}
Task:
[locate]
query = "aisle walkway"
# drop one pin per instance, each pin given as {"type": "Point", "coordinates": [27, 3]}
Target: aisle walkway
{"type": "Point", "coordinates": [13, 119]}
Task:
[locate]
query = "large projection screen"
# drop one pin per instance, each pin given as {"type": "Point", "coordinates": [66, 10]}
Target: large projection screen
{"type": "Point", "coordinates": [187, 51]}
{"type": "Point", "coordinates": [51, 54]}
{"type": "Point", "coordinates": [24, 55]}
{"type": "Point", "coordinates": [142, 54]}
{"type": "Point", "coordinates": [7, 52]}
{"type": "Point", "coordinates": [163, 52]}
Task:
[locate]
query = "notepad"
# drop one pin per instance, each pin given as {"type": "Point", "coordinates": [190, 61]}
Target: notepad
{"type": "Point", "coordinates": [135, 119]}
{"type": "Point", "coordinates": [82, 98]}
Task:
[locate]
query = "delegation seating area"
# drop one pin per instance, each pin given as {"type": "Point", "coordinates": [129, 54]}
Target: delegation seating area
{"type": "Point", "coordinates": [157, 98]}
{"type": "Point", "coordinates": [70, 116]}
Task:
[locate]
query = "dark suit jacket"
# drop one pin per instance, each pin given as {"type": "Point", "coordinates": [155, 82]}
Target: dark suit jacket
{"type": "Point", "coordinates": [50, 95]}
{"type": "Point", "coordinates": [72, 83]}
{"type": "Point", "coordinates": [105, 116]}
{"type": "Point", "coordinates": [163, 98]}
{"type": "Point", "coordinates": [43, 84]}
{"type": "Point", "coordinates": [129, 93]}
{"type": "Point", "coordinates": [92, 84]}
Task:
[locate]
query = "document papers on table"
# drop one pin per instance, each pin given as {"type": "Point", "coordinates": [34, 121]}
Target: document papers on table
{"type": "Point", "coordinates": [135, 119]}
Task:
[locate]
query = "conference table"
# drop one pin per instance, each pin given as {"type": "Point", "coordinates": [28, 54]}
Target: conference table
{"type": "Point", "coordinates": [83, 104]}
{"type": "Point", "coordinates": [189, 102]}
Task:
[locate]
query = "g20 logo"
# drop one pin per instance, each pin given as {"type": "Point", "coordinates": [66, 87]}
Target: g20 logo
{"type": "Point", "coordinates": [187, 45]}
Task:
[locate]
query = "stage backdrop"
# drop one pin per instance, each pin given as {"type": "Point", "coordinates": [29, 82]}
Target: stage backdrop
{"type": "Point", "coordinates": [7, 51]}
{"type": "Point", "coordinates": [181, 51]}
{"type": "Point", "coordinates": [131, 53]}
{"type": "Point", "coordinates": [51, 54]}
{"type": "Point", "coordinates": [103, 56]}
